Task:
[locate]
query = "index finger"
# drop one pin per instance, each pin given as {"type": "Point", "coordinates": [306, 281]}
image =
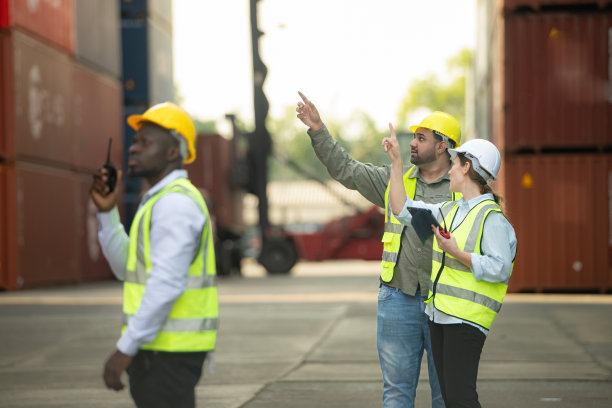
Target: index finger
{"type": "Point", "coordinates": [304, 98]}
{"type": "Point", "coordinates": [392, 131]}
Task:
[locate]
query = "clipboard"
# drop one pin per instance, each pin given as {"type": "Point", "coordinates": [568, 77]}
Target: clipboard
{"type": "Point", "coordinates": [422, 219]}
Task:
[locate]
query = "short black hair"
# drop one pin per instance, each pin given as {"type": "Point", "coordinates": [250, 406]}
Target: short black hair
{"type": "Point", "coordinates": [439, 137]}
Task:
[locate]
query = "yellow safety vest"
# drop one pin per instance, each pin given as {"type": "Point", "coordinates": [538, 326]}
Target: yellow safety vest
{"type": "Point", "coordinates": [192, 322]}
{"type": "Point", "coordinates": [392, 236]}
{"type": "Point", "coordinates": [454, 290]}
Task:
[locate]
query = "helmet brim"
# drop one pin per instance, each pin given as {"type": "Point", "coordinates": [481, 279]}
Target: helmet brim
{"type": "Point", "coordinates": [135, 121]}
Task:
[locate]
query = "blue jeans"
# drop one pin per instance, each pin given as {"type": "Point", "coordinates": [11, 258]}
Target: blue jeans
{"type": "Point", "coordinates": [402, 335]}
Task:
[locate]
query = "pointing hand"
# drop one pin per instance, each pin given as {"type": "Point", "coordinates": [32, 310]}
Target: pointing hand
{"type": "Point", "coordinates": [391, 145]}
{"type": "Point", "coordinates": [308, 113]}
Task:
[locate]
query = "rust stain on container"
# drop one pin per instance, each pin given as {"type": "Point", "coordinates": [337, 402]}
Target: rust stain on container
{"type": "Point", "coordinates": [41, 226]}
{"type": "Point", "coordinates": [557, 81]}
{"type": "Point", "coordinates": [51, 21]}
{"type": "Point", "coordinates": [37, 101]}
{"type": "Point", "coordinates": [562, 222]}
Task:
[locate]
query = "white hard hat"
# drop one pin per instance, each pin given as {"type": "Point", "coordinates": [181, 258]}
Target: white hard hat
{"type": "Point", "coordinates": [484, 156]}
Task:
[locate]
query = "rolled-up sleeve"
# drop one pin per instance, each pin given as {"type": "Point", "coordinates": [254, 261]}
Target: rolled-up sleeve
{"type": "Point", "coordinates": [498, 250]}
{"type": "Point", "coordinates": [369, 180]}
{"type": "Point", "coordinates": [405, 217]}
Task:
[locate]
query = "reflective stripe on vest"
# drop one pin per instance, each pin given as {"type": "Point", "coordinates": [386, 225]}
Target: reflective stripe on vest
{"type": "Point", "coordinates": [192, 322]}
{"type": "Point", "coordinates": [392, 237]}
{"type": "Point", "coordinates": [457, 292]}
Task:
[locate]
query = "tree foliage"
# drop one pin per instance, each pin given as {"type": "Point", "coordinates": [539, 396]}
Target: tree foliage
{"type": "Point", "coordinates": [429, 92]}
{"type": "Point", "coordinates": [292, 143]}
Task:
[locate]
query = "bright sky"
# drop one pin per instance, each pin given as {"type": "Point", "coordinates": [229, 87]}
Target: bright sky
{"type": "Point", "coordinates": [345, 55]}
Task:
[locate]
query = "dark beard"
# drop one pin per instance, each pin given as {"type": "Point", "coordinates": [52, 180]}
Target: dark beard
{"type": "Point", "coordinates": [423, 158]}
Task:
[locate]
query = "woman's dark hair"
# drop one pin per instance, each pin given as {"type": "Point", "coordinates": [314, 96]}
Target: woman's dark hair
{"type": "Point", "coordinates": [484, 186]}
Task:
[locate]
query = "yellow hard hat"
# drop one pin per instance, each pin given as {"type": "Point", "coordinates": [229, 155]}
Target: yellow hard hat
{"type": "Point", "coordinates": [442, 123]}
{"type": "Point", "coordinates": [169, 116]}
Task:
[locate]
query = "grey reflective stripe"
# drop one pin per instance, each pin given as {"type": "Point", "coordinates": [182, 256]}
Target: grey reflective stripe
{"type": "Point", "coordinates": [469, 295]}
{"type": "Point", "coordinates": [394, 228]}
{"type": "Point", "coordinates": [450, 262]}
{"type": "Point", "coordinates": [447, 207]}
{"type": "Point", "coordinates": [184, 325]}
{"type": "Point", "coordinates": [470, 243]}
{"type": "Point", "coordinates": [389, 256]}
{"type": "Point", "coordinates": [193, 282]}
{"type": "Point", "coordinates": [139, 277]}
{"type": "Point", "coordinates": [141, 264]}
{"type": "Point", "coordinates": [388, 212]}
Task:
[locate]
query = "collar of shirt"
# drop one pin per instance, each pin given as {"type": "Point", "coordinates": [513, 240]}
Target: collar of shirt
{"type": "Point", "coordinates": [417, 173]}
{"type": "Point", "coordinates": [172, 176]}
{"type": "Point", "coordinates": [466, 206]}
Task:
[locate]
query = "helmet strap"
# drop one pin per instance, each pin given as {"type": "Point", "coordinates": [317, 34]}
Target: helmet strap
{"type": "Point", "coordinates": [182, 142]}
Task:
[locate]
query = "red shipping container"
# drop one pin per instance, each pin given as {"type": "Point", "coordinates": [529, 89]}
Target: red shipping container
{"type": "Point", "coordinates": [559, 205]}
{"type": "Point", "coordinates": [557, 81]}
{"type": "Point", "coordinates": [37, 91]}
{"type": "Point", "coordinates": [97, 27]}
{"type": "Point", "coordinates": [50, 20]}
{"type": "Point", "coordinates": [98, 116]}
{"type": "Point", "coordinates": [211, 171]}
{"type": "Point", "coordinates": [40, 226]}
{"type": "Point", "coordinates": [7, 243]}
{"type": "Point", "coordinates": [512, 5]}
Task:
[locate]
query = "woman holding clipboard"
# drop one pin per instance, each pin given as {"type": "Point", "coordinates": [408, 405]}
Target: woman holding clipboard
{"type": "Point", "coordinates": [471, 266]}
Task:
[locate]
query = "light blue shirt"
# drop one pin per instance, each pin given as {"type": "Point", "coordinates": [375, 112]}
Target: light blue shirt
{"type": "Point", "coordinates": [176, 230]}
{"type": "Point", "coordinates": [498, 248]}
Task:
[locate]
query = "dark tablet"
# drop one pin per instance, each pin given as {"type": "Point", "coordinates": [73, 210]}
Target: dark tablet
{"type": "Point", "coordinates": [422, 220]}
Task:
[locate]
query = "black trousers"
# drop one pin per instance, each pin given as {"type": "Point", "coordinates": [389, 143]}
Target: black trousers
{"type": "Point", "coordinates": [456, 351]}
{"type": "Point", "coordinates": [161, 379]}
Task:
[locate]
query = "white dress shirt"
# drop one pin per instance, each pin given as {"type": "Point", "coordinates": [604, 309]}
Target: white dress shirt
{"type": "Point", "coordinates": [176, 230]}
{"type": "Point", "coordinates": [498, 249]}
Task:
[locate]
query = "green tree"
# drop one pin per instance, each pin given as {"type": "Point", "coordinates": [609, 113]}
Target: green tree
{"type": "Point", "coordinates": [430, 92]}
{"type": "Point", "coordinates": [292, 144]}
{"type": "Point", "coordinates": [208, 126]}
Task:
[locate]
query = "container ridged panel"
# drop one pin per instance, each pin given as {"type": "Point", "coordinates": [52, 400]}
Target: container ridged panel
{"type": "Point", "coordinates": [559, 205]}
{"type": "Point", "coordinates": [557, 82]}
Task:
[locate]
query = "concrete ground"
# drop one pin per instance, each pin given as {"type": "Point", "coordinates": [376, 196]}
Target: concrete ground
{"type": "Point", "coordinates": [303, 340]}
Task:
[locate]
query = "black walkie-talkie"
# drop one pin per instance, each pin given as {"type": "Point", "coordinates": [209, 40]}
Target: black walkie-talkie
{"type": "Point", "coordinates": [111, 177]}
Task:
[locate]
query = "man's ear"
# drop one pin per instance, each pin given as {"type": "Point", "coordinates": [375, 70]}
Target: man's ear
{"type": "Point", "coordinates": [442, 146]}
{"type": "Point", "coordinates": [174, 152]}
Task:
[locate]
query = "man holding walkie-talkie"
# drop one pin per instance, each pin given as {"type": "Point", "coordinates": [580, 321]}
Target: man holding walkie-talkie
{"type": "Point", "coordinates": [167, 263]}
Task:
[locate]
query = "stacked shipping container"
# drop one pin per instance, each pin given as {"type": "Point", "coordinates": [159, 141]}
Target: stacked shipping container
{"type": "Point", "coordinates": [543, 81]}
{"type": "Point", "coordinates": [146, 32]}
{"type": "Point", "coordinates": [60, 101]}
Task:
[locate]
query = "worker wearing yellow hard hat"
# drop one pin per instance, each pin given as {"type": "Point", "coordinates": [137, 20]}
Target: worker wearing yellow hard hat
{"type": "Point", "coordinates": [167, 264]}
{"type": "Point", "coordinates": [443, 125]}
{"type": "Point", "coordinates": [170, 117]}
{"type": "Point", "coordinates": [406, 261]}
